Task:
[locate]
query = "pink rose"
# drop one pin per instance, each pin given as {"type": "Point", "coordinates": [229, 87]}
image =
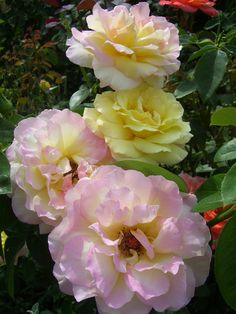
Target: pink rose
{"type": "Point", "coordinates": [126, 47]}
{"type": "Point", "coordinates": [131, 242]}
{"type": "Point", "coordinates": [49, 154]}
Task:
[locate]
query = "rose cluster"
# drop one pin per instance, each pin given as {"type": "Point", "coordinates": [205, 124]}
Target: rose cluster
{"type": "Point", "coordinates": [128, 240]}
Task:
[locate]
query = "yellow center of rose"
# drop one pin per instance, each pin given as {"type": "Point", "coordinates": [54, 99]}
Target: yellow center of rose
{"type": "Point", "coordinates": [128, 242]}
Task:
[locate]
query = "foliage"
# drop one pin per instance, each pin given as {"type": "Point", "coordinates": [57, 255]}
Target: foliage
{"type": "Point", "coordinates": [35, 75]}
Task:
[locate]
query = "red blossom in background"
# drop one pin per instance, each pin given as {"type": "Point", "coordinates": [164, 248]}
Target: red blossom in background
{"type": "Point", "coordinates": [191, 6]}
{"type": "Point", "coordinates": [218, 228]}
{"type": "Point", "coordinates": [193, 183]}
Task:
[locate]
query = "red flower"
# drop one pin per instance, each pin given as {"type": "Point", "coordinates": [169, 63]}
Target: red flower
{"type": "Point", "coordinates": [217, 229]}
{"type": "Point", "coordinates": [54, 3]}
{"type": "Point", "coordinates": [192, 6]}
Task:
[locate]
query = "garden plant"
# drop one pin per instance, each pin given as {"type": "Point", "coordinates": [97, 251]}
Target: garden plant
{"type": "Point", "coordinates": [118, 157]}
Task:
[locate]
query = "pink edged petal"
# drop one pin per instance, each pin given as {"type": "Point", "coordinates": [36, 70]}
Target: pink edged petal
{"type": "Point", "coordinates": [74, 260]}
{"type": "Point", "coordinates": [141, 237]}
{"type": "Point", "coordinates": [119, 295]}
{"type": "Point", "coordinates": [200, 266]}
{"type": "Point", "coordinates": [18, 206]}
{"type": "Point", "coordinates": [166, 193]}
{"type": "Point", "coordinates": [148, 284]}
{"type": "Point", "coordinates": [110, 76]}
{"type": "Point", "coordinates": [109, 212]}
{"type": "Point", "coordinates": [134, 306]}
{"type": "Point", "coordinates": [189, 201]}
{"type": "Point", "coordinates": [165, 263]}
{"type": "Point", "coordinates": [81, 293]}
{"type": "Point", "coordinates": [120, 263]}
{"type": "Point", "coordinates": [143, 214]}
{"type": "Point", "coordinates": [140, 11]}
{"type": "Point", "coordinates": [181, 290]}
{"type": "Point", "coordinates": [120, 48]}
{"type": "Point", "coordinates": [103, 271]}
{"type": "Point", "coordinates": [65, 284]}
{"type": "Point", "coordinates": [105, 239]}
{"type": "Point", "coordinates": [169, 238]}
{"type": "Point", "coordinates": [44, 228]}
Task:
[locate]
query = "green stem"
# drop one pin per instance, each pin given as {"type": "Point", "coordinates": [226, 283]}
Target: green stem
{"type": "Point", "coordinates": [85, 77]}
{"type": "Point", "coordinates": [222, 216]}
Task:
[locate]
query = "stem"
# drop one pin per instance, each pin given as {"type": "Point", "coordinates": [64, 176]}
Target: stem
{"type": "Point", "coordinates": [85, 77]}
{"type": "Point", "coordinates": [222, 216]}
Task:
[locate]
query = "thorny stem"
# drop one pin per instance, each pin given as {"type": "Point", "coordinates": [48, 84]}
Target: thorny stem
{"type": "Point", "coordinates": [222, 216]}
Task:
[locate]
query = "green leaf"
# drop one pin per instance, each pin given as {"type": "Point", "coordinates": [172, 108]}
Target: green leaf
{"type": "Point", "coordinates": [185, 88]}
{"type": "Point", "coordinates": [6, 131]}
{"type": "Point", "coordinates": [150, 169]}
{"type": "Point", "coordinates": [209, 72]}
{"type": "Point", "coordinates": [78, 97]}
{"type": "Point", "coordinates": [209, 194]}
{"type": "Point", "coordinates": [225, 263]}
{"type": "Point", "coordinates": [226, 152]}
{"type": "Point", "coordinates": [224, 117]}
{"type": "Point", "coordinates": [5, 183]}
{"type": "Point", "coordinates": [197, 54]}
{"type": "Point", "coordinates": [228, 187]}
{"type": "Point", "coordinates": [5, 104]}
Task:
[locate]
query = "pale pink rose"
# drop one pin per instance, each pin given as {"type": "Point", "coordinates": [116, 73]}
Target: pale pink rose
{"type": "Point", "coordinates": [49, 154]}
{"type": "Point", "coordinates": [126, 47]}
{"type": "Point", "coordinates": [193, 183]}
{"type": "Point", "coordinates": [131, 242]}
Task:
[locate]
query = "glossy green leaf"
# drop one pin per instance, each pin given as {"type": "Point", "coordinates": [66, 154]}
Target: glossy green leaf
{"type": "Point", "coordinates": [78, 97]}
{"type": "Point", "coordinates": [226, 152]}
{"type": "Point", "coordinates": [228, 187]}
{"type": "Point", "coordinates": [224, 117]}
{"type": "Point", "coordinates": [197, 54]}
{"type": "Point", "coordinates": [150, 169]}
{"type": "Point", "coordinates": [209, 72]}
{"type": "Point", "coordinates": [5, 184]}
{"type": "Point", "coordinates": [225, 263]}
{"type": "Point", "coordinates": [185, 88]}
{"type": "Point", "coordinates": [209, 194]}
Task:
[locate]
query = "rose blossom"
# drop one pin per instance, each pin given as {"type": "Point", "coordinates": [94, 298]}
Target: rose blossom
{"type": "Point", "coordinates": [131, 241]}
{"type": "Point", "coordinates": [192, 6]}
{"type": "Point", "coordinates": [47, 157]}
{"type": "Point", "coordinates": [126, 47]}
{"type": "Point", "coordinates": [144, 123]}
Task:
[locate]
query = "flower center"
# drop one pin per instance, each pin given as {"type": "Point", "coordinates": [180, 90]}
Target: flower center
{"type": "Point", "coordinates": [128, 242]}
{"type": "Point", "coordinates": [73, 172]}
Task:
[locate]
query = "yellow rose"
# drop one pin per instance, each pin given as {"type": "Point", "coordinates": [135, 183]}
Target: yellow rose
{"type": "Point", "coordinates": [142, 123]}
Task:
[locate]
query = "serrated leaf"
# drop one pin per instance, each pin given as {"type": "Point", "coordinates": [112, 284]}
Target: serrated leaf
{"type": "Point", "coordinates": [78, 97]}
{"type": "Point", "coordinates": [209, 72]}
{"type": "Point", "coordinates": [228, 187]}
{"type": "Point", "coordinates": [225, 263]}
{"type": "Point", "coordinates": [226, 152]}
{"type": "Point", "coordinates": [5, 183]}
{"type": "Point", "coordinates": [150, 169]}
{"type": "Point", "coordinates": [224, 117]}
{"type": "Point", "coordinates": [185, 88]}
